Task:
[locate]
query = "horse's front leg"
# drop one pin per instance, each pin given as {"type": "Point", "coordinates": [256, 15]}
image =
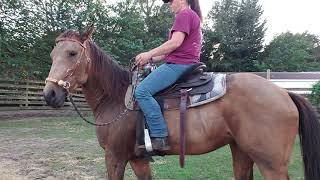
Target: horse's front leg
{"type": "Point", "coordinates": [115, 165]}
{"type": "Point", "coordinates": [141, 168]}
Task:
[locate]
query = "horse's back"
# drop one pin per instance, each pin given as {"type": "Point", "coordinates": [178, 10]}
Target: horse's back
{"type": "Point", "coordinates": [255, 97]}
{"type": "Point", "coordinates": [258, 91]}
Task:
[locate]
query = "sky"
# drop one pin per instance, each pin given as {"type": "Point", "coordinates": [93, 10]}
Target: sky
{"type": "Point", "coordinates": [296, 16]}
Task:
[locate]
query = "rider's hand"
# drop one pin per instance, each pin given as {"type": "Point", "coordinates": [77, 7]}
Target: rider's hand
{"type": "Point", "coordinates": [143, 58]}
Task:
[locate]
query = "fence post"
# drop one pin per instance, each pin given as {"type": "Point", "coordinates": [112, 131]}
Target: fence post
{"type": "Point", "coordinates": [27, 94]}
{"type": "Point", "coordinates": [268, 74]}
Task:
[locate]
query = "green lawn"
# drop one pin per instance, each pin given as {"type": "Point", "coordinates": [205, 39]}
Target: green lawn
{"type": "Point", "coordinates": [66, 148]}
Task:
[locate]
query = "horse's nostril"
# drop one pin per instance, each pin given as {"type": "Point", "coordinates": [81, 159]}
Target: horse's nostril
{"type": "Point", "coordinates": [52, 94]}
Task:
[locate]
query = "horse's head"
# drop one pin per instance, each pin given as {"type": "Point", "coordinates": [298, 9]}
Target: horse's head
{"type": "Point", "coordinates": [70, 64]}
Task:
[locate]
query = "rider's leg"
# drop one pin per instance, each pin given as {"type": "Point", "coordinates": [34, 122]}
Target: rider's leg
{"type": "Point", "coordinates": [159, 79]}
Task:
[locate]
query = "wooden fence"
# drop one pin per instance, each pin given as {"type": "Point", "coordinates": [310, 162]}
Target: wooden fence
{"type": "Point", "coordinates": [28, 95]}
{"type": "Point", "coordinates": [299, 86]}
{"type": "Point", "coordinates": [297, 82]}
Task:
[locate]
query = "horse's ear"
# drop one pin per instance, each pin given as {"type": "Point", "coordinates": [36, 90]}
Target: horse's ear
{"type": "Point", "coordinates": [87, 34]}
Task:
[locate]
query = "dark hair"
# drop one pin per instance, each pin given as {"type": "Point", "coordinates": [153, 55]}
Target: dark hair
{"type": "Point", "coordinates": [195, 6]}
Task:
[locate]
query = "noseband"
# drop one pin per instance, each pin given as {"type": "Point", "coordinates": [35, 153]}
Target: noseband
{"type": "Point", "coordinates": [62, 82]}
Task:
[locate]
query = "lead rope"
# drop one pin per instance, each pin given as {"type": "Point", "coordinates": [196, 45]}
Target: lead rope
{"type": "Point", "coordinates": [98, 124]}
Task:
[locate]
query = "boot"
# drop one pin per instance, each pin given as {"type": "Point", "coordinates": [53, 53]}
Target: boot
{"type": "Point", "coordinates": [160, 144]}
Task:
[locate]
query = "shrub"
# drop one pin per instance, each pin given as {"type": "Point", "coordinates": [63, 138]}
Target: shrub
{"type": "Point", "coordinates": [315, 94]}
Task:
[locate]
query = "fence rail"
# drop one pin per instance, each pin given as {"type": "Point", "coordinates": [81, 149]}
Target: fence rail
{"type": "Point", "coordinates": [20, 95]}
{"type": "Point", "coordinates": [28, 95]}
{"type": "Point", "coordinates": [299, 86]}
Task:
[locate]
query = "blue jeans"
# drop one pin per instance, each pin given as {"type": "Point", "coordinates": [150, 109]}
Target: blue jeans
{"type": "Point", "coordinates": [161, 78]}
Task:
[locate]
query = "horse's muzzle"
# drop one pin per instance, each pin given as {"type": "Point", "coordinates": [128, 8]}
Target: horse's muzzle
{"type": "Point", "coordinates": [54, 96]}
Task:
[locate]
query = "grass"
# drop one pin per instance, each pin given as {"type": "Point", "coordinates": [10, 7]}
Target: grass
{"type": "Point", "coordinates": [66, 148]}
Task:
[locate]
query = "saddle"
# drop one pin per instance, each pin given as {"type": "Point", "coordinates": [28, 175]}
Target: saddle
{"type": "Point", "coordinates": [193, 88]}
{"type": "Point", "coordinates": [194, 80]}
{"type": "Point", "coordinates": [202, 87]}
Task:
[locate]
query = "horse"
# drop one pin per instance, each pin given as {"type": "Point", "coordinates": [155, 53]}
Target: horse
{"type": "Point", "coordinates": [257, 119]}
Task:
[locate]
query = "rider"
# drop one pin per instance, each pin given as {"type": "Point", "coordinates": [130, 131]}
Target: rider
{"type": "Point", "coordinates": [179, 53]}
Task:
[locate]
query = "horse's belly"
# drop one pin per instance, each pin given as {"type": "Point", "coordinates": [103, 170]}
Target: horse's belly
{"type": "Point", "coordinates": [205, 129]}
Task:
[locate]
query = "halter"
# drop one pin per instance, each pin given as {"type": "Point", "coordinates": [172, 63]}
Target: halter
{"type": "Point", "coordinates": [64, 83]}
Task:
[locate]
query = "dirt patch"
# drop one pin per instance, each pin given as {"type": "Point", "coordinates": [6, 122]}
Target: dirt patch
{"type": "Point", "coordinates": [36, 158]}
{"type": "Point", "coordinates": [32, 153]}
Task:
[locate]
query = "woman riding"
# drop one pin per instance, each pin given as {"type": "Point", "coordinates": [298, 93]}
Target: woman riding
{"type": "Point", "coordinates": [179, 53]}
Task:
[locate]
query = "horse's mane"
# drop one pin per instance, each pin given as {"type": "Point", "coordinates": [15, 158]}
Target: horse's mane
{"type": "Point", "coordinates": [107, 73]}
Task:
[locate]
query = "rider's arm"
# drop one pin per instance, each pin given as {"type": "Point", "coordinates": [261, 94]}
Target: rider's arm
{"type": "Point", "coordinates": [166, 48]}
{"type": "Point", "coordinates": [169, 46]}
{"type": "Point", "coordinates": [158, 58]}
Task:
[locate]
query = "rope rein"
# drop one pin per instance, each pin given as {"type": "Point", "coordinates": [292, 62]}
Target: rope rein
{"type": "Point", "coordinates": [97, 124]}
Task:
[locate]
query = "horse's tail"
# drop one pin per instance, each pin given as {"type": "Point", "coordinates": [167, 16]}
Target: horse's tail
{"type": "Point", "coordinates": [309, 132]}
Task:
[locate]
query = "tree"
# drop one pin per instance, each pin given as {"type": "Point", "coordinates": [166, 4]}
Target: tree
{"type": "Point", "coordinates": [158, 26]}
{"type": "Point", "coordinates": [315, 94]}
{"type": "Point", "coordinates": [28, 30]}
{"type": "Point", "coordinates": [129, 31]}
{"type": "Point", "coordinates": [14, 41]}
{"type": "Point", "coordinates": [291, 52]}
{"type": "Point", "coordinates": [236, 35]}
{"type": "Point", "coordinates": [31, 27]}
{"type": "Point", "coordinates": [316, 51]}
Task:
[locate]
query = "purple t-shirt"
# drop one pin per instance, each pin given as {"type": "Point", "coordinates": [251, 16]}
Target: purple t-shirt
{"type": "Point", "coordinates": [187, 21]}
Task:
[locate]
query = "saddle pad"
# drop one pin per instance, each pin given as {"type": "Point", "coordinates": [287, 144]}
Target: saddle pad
{"type": "Point", "coordinates": [218, 90]}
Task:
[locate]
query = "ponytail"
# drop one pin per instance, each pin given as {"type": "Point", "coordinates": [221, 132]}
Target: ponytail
{"type": "Point", "coordinates": [195, 6]}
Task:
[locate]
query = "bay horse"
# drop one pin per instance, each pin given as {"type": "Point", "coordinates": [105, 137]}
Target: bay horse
{"type": "Point", "coordinates": [257, 119]}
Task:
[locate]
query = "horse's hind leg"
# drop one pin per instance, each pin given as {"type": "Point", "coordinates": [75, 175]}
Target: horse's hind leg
{"type": "Point", "coordinates": [273, 161]}
{"type": "Point", "coordinates": [271, 172]}
{"type": "Point", "coordinates": [242, 164]}
{"type": "Point", "coordinates": [141, 168]}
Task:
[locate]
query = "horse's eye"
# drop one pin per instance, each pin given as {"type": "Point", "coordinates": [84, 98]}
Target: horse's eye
{"type": "Point", "coordinates": [72, 53]}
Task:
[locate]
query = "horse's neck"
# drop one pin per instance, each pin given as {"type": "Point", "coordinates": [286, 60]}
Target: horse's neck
{"type": "Point", "coordinates": [100, 103]}
{"type": "Point", "coordinates": [107, 82]}
{"type": "Point", "coordinates": [93, 95]}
